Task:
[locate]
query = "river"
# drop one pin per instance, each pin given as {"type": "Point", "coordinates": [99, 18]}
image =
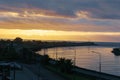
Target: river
{"type": "Point", "coordinates": [88, 57]}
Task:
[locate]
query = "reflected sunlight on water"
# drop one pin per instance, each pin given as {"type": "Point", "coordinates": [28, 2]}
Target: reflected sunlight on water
{"type": "Point", "coordinates": [85, 58]}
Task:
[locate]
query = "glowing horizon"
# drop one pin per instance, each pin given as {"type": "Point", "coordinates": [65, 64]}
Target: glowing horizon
{"type": "Point", "coordinates": [77, 20]}
{"type": "Point", "coordinates": [54, 35]}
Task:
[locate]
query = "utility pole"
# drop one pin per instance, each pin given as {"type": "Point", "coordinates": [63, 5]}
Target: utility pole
{"type": "Point", "coordinates": [99, 54]}
{"type": "Point", "coordinates": [56, 53]}
{"type": "Point", "coordinates": [75, 57]}
{"type": "Point", "coordinates": [14, 70]}
{"type": "Point", "coordinates": [74, 61]}
{"type": "Point", "coordinates": [44, 52]}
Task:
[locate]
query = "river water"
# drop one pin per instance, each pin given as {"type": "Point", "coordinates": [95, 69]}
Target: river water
{"type": "Point", "coordinates": [85, 57]}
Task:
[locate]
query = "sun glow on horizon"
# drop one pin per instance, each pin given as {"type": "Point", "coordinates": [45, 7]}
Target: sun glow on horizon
{"type": "Point", "coordinates": [53, 34]}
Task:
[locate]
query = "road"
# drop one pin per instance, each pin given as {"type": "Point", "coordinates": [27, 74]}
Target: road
{"type": "Point", "coordinates": [42, 72]}
{"type": "Point", "coordinates": [96, 74]}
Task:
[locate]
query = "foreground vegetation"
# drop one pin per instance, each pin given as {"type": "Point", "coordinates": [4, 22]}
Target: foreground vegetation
{"type": "Point", "coordinates": [18, 49]}
{"type": "Point", "coordinates": [63, 67]}
{"type": "Point", "coordinates": [24, 51]}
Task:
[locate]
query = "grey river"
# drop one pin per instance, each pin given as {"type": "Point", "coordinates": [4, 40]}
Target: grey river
{"type": "Point", "coordinates": [85, 57]}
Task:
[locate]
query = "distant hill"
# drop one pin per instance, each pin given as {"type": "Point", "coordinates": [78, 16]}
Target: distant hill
{"type": "Point", "coordinates": [108, 44]}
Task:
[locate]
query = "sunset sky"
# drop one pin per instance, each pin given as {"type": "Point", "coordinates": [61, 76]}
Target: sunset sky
{"type": "Point", "coordinates": [74, 20]}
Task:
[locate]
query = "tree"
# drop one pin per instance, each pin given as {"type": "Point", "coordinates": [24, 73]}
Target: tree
{"type": "Point", "coordinates": [9, 54]}
{"type": "Point", "coordinates": [26, 55]}
{"type": "Point", "coordinates": [65, 65]}
{"type": "Point", "coordinates": [45, 59]}
{"type": "Point", "coordinates": [18, 40]}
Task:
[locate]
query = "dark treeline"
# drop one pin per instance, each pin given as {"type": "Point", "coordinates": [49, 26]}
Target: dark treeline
{"type": "Point", "coordinates": [35, 45]}
{"type": "Point", "coordinates": [18, 49]}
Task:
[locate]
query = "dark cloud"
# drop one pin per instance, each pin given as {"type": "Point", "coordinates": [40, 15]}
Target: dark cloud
{"type": "Point", "coordinates": [68, 15]}
{"type": "Point", "coordinates": [101, 9]}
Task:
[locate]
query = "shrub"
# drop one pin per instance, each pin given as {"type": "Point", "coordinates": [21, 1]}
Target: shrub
{"type": "Point", "coordinates": [45, 59]}
{"type": "Point", "coordinates": [65, 65]}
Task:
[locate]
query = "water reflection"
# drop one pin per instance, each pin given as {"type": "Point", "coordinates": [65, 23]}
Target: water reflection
{"type": "Point", "coordinates": [86, 59]}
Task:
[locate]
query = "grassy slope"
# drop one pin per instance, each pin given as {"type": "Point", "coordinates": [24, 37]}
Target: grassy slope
{"type": "Point", "coordinates": [69, 76]}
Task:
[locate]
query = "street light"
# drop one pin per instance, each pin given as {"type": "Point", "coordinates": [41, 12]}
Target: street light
{"type": "Point", "coordinates": [99, 62]}
{"type": "Point", "coordinates": [75, 57]}
{"type": "Point", "coordinates": [74, 62]}
{"type": "Point", "coordinates": [56, 53]}
{"type": "Point", "coordinates": [99, 59]}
